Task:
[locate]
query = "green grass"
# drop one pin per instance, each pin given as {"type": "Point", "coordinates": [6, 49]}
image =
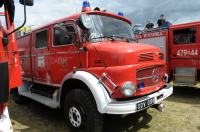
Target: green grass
{"type": "Point", "coordinates": [181, 114]}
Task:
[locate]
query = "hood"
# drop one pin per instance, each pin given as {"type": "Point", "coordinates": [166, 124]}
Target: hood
{"type": "Point", "coordinates": [120, 53]}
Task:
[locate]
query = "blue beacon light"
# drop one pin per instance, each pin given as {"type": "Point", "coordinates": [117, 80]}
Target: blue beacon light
{"type": "Point", "coordinates": [120, 13]}
{"type": "Point", "coordinates": [86, 6]}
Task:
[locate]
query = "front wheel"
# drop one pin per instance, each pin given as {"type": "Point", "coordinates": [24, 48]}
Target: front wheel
{"type": "Point", "coordinates": [81, 112]}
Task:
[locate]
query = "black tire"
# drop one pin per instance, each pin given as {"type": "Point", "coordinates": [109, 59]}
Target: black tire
{"type": "Point", "coordinates": [81, 112]}
{"type": "Point", "coordinates": [18, 98]}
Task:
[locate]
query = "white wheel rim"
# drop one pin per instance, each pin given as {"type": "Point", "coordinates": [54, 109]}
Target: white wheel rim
{"type": "Point", "coordinates": [75, 117]}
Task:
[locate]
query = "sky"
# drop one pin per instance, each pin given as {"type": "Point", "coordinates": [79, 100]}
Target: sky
{"type": "Point", "coordinates": [139, 11]}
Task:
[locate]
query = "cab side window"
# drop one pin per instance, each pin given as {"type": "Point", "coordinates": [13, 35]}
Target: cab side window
{"type": "Point", "coordinates": [184, 36]}
{"type": "Point", "coordinates": [41, 39]}
{"type": "Point", "coordinates": [64, 35]}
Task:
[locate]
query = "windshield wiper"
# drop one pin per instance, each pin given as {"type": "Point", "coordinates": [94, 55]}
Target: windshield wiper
{"type": "Point", "coordinates": [113, 38]}
{"type": "Point", "coordinates": [105, 37]}
{"type": "Point", "coordinates": [121, 37]}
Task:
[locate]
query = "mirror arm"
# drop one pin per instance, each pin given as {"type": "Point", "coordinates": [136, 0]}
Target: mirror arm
{"type": "Point", "coordinates": [23, 22]}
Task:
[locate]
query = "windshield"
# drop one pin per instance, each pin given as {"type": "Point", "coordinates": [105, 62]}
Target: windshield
{"type": "Point", "coordinates": [106, 27]}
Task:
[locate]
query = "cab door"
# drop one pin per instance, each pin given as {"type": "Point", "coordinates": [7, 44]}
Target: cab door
{"type": "Point", "coordinates": [64, 50]}
{"type": "Point", "coordinates": [184, 54]}
{"type": "Point", "coordinates": [40, 57]}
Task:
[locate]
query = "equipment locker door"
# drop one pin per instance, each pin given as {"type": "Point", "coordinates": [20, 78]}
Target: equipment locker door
{"type": "Point", "coordinates": [64, 51]}
{"type": "Point", "coordinates": [184, 54]}
{"type": "Point", "coordinates": [40, 57]}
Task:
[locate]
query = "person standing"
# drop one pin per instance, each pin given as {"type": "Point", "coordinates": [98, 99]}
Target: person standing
{"type": "Point", "coordinates": [161, 21]}
{"type": "Point", "coordinates": [149, 25]}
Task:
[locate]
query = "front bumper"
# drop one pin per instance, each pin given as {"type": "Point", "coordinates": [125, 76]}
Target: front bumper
{"type": "Point", "coordinates": [5, 123]}
{"type": "Point", "coordinates": [127, 107]}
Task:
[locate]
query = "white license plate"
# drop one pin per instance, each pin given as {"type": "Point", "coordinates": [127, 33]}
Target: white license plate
{"type": "Point", "coordinates": [145, 104]}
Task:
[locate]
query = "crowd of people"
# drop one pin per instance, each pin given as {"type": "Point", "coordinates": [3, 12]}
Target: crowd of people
{"type": "Point", "coordinates": [162, 23]}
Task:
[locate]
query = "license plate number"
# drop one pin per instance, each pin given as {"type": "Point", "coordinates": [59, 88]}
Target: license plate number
{"type": "Point", "coordinates": [145, 104]}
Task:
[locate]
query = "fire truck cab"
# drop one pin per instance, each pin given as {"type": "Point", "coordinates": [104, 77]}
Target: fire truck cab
{"type": "Point", "coordinates": [181, 45]}
{"type": "Point", "coordinates": [89, 65]}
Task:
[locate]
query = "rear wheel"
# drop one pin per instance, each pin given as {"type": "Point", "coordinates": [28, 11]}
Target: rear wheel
{"type": "Point", "coordinates": [81, 112]}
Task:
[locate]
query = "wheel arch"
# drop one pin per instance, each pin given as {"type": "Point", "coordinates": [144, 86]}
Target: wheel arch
{"type": "Point", "coordinates": [87, 81]}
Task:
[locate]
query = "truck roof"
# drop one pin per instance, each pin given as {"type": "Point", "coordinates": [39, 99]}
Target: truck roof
{"type": "Point", "coordinates": [185, 24]}
{"type": "Point", "coordinates": [76, 16]}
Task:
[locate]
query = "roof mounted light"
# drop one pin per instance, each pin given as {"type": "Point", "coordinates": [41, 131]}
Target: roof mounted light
{"type": "Point", "coordinates": [86, 6]}
{"type": "Point", "coordinates": [120, 13]}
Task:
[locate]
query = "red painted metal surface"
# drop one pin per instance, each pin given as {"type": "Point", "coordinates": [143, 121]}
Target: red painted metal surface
{"type": "Point", "coordinates": [118, 59]}
{"type": "Point", "coordinates": [9, 54]}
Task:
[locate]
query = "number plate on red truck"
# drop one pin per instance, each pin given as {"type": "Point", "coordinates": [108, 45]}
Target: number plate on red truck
{"type": "Point", "coordinates": [145, 104]}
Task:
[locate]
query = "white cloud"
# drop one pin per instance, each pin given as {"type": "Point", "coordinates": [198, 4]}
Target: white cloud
{"type": "Point", "coordinates": [139, 11]}
{"type": "Point", "coordinates": [45, 11]}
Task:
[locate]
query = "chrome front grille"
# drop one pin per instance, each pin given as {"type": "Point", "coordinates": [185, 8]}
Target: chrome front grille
{"type": "Point", "coordinates": [150, 76]}
{"type": "Point", "coordinates": [146, 57]}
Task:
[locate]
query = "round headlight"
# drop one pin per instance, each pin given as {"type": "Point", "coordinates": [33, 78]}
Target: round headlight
{"type": "Point", "coordinates": [86, 21]}
{"type": "Point", "coordinates": [128, 89]}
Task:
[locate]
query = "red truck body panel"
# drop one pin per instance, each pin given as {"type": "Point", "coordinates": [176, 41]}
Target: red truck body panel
{"type": "Point", "coordinates": [9, 66]}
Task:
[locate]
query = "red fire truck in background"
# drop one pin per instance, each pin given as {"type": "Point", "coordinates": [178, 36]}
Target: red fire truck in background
{"type": "Point", "coordinates": [181, 46]}
{"type": "Point", "coordinates": [10, 70]}
{"type": "Point", "coordinates": [89, 65]}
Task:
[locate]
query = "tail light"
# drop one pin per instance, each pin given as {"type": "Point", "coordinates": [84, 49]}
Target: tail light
{"type": "Point", "coordinates": [1, 110]}
{"type": "Point", "coordinates": [2, 107]}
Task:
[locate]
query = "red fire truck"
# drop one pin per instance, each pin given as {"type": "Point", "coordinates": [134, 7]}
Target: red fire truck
{"type": "Point", "coordinates": [89, 65]}
{"type": "Point", "coordinates": [9, 60]}
{"type": "Point", "coordinates": [180, 44]}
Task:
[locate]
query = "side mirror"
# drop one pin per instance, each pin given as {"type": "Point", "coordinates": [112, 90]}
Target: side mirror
{"type": "Point", "coordinates": [86, 21]}
{"type": "Point", "coordinates": [26, 2]}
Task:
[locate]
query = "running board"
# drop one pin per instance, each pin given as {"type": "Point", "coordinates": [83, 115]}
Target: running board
{"type": "Point", "coordinates": [53, 103]}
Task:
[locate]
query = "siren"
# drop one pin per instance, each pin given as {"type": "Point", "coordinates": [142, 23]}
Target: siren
{"type": "Point", "coordinates": [86, 6]}
{"type": "Point", "coordinates": [120, 13]}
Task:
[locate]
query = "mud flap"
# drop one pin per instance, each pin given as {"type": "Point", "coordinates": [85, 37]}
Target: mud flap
{"type": "Point", "coordinates": [4, 83]}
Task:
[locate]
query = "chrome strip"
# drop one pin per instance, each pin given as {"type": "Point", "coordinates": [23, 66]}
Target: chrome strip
{"type": "Point", "coordinates": [67, 52]}
{"type": "Point", "coordinates": [148, 67]}
{"type": "Point", "coordinates": [49, 84]}
{"type": "Point", "coordinates": [144, 78]}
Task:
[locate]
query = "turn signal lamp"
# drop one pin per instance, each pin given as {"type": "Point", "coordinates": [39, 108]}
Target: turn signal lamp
{"type": "Point", "coordinates": [86, 6]}
{"type": "Point", "coordinates": [141, 85]}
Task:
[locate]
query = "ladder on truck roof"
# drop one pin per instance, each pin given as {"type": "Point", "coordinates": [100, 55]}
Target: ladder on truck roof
{"type": "Point", "coordinates": [157, 29]}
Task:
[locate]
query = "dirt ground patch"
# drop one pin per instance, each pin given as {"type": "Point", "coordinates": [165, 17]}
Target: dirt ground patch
{"type": "Point", "coordinates": [182, 114]}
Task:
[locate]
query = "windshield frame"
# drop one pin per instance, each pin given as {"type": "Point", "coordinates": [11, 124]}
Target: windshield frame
{"type": "Point", "coordinates": [121, 20]}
